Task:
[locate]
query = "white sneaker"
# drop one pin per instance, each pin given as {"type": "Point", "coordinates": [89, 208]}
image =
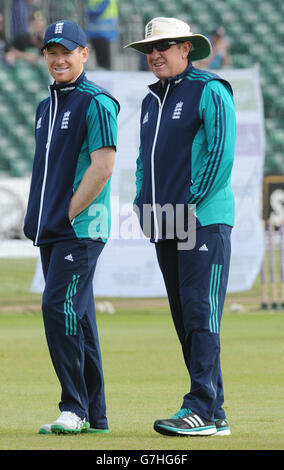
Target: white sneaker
{"type": "Point", "coordinates": [67, 422]}
{"type": "Point", "coordinates": [45, 429]}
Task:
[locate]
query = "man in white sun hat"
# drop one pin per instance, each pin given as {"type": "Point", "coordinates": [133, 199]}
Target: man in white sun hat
{"type": "Point", "coordinates": [186, 154]}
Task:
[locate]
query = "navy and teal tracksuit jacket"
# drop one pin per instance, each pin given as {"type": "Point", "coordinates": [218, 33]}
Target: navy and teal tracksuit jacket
{"type": "Point", "coordinates": [74, 121]}
{"type": "Point", "coordinates": [187, 146]}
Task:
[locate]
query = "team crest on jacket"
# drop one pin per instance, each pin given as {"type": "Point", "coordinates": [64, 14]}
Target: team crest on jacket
{"type": "Point", "coordinates": [65, 120]}
{"type": "Point", "coordinates": [177, 110]}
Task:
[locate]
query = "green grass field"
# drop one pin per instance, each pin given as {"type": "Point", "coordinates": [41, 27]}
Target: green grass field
{"type": "Point", "coordinates": [144, 373]}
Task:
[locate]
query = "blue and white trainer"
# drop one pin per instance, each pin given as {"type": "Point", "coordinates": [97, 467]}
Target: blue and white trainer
{"type": "Point", "coordinates": [222, 427]}
{"type": "Point", "coordinates": [185, 423]}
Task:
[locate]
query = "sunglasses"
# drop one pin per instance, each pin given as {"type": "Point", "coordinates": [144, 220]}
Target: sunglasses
{"type": "Point", "coordinates": [159, 46]}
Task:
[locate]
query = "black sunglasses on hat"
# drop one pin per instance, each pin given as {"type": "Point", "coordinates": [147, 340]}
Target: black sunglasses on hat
{"type": "Point", "coordinates": [159, 46]}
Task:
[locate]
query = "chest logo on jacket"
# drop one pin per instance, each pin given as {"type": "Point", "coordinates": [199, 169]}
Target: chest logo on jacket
{"type": "Point", "coordinates": [177, 110]}
{"type": "Point", "coordinates": [38, 124]}
{"type": "Point", "coordinates": [146, 118]}
{"type": "Point", "coordinates": [65, 120]}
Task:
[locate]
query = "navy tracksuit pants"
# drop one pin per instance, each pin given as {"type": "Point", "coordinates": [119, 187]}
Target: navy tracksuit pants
{"type": "Point", "coordinates": [70, 326]}
{"type": "Point", "coordinates": [196, 283]}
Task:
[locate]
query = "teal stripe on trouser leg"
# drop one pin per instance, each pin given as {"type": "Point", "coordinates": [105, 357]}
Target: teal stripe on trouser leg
{"type": "Point", "coordinates": [214, 298]}
{"type": "Point", "coordinates": [211, 295]}
{"type": "Point", "coordinates": [217, 323]}
{"type": "Point", "coordinates": [70, 314]}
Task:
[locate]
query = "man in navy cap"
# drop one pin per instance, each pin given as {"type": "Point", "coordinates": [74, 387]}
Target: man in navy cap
{"type": "Point", "coordinates": [68, 218]}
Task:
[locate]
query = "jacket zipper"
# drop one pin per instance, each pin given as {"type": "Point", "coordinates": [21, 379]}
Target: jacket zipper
{"type": "Point", "coordinates": [161, 105]}
{"type": "Point", "coordinates": [51, 123]}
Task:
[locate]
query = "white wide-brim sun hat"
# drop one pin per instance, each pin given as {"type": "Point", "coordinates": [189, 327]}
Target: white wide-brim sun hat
{"type": "Point", "coordinates": [160, 29]}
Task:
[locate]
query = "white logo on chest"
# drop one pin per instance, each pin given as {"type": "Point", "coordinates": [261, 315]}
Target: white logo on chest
{"type": "Point", "coordinates": [65, 120]}
{"type": "Point", "coordinates": [177, 110]}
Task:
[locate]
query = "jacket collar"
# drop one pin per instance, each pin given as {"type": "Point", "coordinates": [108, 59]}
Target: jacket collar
{"type": "Point", "coordinates": [66, 88]}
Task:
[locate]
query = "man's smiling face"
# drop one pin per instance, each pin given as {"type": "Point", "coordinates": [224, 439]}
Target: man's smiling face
{"type": "Point", "coordinates": [65, 66]}
{"type": "Point", "coordinates": [169, 63]}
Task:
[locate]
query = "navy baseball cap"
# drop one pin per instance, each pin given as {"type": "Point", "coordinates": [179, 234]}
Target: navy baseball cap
{"type": "Point", "coordinates": [65, 32]}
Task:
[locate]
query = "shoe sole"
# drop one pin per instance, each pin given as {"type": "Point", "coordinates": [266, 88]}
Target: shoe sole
{"type": "Point", "coordinates": [44, 431]}
{"type": "Point", "coordinates": [168, 431]}
{"type": "Point", "coordinates": [85, 430]}
{"type": "Point", "coordinates": [95, 431]}
{"type": "Point", "coordinates": [58, 429]}
{"type": "Point", "coordinates": [224, 432]}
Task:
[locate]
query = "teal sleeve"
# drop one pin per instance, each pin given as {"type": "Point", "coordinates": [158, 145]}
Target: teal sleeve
{"type": "Point", "coordinates": [139, 175]}
{"type": "Point", "coordinates": [214, 143]}
{"type": "Point", "coordinates": [101, 123]}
